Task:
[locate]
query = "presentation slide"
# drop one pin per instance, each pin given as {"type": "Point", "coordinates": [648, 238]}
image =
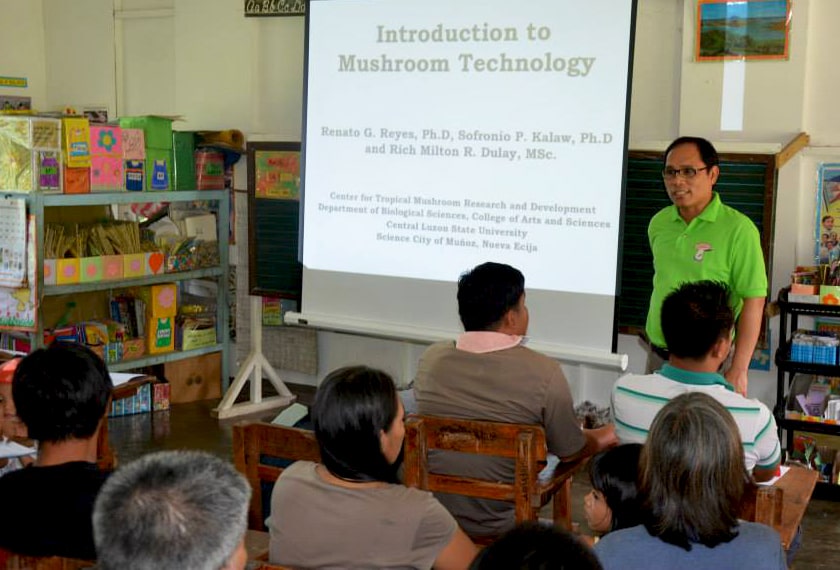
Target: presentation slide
{"type": "Point", "coordinates": [440, 134]}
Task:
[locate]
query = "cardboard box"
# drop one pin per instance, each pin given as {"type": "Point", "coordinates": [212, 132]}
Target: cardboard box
{"type": "Point", "coordinates": [49, 271]}
{"type": "Point", "coordinates": [158, 170]}
{"type": "Point", "coordinates": [133, 144]}
{"type": "Point", "coordinates": [67, 271]}
{"type": "Point", "coordinates": [31, 151]}
{"type": "Point", "coordinates": [161, 300]}
{"type": "Point", "coordinates": [77, 180]}
{"type": "Point", "coordinates": [160, 396]}
{"type": "Point", "coordinates": [106, 140]}
{"type": "Point", "coordinates": [76, 142]}
{"type": "Point", "coordinates": [48, 170]}
{"type": "Point", "coordinates": [139, 403]}
{"type": "Point", "coordinates": [134, 265]}
{"type": "Point", "coordinates": [183, 146]}
{"type": "Point", "coordinates": [112, 267]}
{"type": "Point", "coordinates": [197, 378]}
{"type": "Point", "coordinates": [155, 263]}
{"type": "Point", "coordinates": [31, 132]}
{"type": "Point", "coordinates": [192, 338]}
{"type": "Point", "coordinates": [157, 130]}
{"type": "Point", "coordinates": [134, 348]}
{"type": "Point", "coordinates": [106, 174]}
{"type": "Point", "coordinates": [830, 294]}
{"type": "Point", "coordinates": [91, 269]}
{"type": "Point", "coordinates": [803, 289]}
{"type": "Point", "coordinates": [135, 175]}
{"type": "Point", "coordinates": [161, 335]}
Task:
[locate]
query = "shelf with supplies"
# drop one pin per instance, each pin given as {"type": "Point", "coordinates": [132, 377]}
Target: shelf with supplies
{"type": "Point", "coordinates": [39, 204]}
{"type": "Point", "coordinates": [787, 382]}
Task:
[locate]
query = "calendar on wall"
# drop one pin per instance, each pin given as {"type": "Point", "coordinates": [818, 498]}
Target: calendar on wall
{"type": "Point", "coordinates": [19, 304]}
{"type": "Point", "coordinates": [12, 242]}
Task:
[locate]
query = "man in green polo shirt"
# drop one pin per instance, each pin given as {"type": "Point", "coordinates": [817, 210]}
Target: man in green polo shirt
{"type": "Point", "coordinates": [701, 238]}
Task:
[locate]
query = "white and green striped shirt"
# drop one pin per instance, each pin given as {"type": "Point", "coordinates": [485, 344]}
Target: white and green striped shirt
{"type": "Point", "coordinates": [637, 398]}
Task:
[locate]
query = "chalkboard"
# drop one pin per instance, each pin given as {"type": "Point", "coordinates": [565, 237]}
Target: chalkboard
{"type": "Point", "coordinates": [274, 219]}
{"type": "Point", "coordinates": [746, 183]}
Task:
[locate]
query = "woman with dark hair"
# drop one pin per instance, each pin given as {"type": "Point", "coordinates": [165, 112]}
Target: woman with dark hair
{"type": "Point", "coordinates": [613, 502]}
{"type": "Point", "coordinates": [350, 510]}
{"type": "Point", "coordinates": [692, 479]}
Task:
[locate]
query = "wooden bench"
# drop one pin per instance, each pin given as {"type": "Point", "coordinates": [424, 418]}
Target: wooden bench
{"type": "Point", "coordinates": [12, 561]}
{"type": "Point", "coordinates": [523, 444]}
{"type": "Point", "coordinates": [257, 447]}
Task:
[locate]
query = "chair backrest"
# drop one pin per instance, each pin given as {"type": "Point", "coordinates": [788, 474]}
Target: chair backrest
{"type": "Point", "coordinates": [763, 504]}
{"type": "Point", "coordinates": [524, 444]}
{"type": "Point", "coordinates": [12, 561]}
{"type": "Point", "coordinates": [260, 452]}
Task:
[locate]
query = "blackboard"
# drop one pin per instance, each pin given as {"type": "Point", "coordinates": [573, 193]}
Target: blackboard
{"type": "Point", "coordinates": [746, 183]}
{"type": "Point", "coordinates": [274, 219]}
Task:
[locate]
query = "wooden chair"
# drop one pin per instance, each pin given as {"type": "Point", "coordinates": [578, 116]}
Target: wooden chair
{"type": "Point", "coordinates": [524, 444]}
{"type": "Point", "coordinates": [762, 504]}
{"type": "Point", "coordinates": [12, 561]}
{"type": "Point", "coordinates": [781, 505]}
{"type": "Point", "coordinates": [258, 453]}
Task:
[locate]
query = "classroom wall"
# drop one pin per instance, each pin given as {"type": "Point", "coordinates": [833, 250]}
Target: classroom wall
{"type": "Point", "coordinates": [22, 49]}
{"type": "Point", "coordinates": [221, 70]}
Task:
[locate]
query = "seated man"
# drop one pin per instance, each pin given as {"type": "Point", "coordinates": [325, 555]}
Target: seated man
{"type": "Point", "coordinates": [173, 510]}
{"type": "Point", "coordinates": [697, 322]}
{"type": "Point", "coordinates": [12, 431]}
{"type": "Point", "coordinates": [61, 394]}
{"type": "Point", "coordinates": [489, 375]}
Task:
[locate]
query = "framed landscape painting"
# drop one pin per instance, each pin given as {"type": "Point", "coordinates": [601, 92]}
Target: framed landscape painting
{"type": "Point", "coordinates": [751, 29]}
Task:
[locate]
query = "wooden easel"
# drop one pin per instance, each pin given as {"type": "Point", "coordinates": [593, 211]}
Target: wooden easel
{"type": "Point", "coordinates": [252, 369]}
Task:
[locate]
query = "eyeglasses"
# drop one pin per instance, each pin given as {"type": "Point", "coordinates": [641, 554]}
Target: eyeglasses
{"type": "Point", "coordinates": [687, 172]}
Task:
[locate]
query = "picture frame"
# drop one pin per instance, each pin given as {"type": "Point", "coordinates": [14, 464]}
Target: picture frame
{"type": "Point", "coordinates": [274, 170]}
{"type": "Point", "coordinates": [743, 30]}
{"type": "Point", "coordinates": [827, 232]}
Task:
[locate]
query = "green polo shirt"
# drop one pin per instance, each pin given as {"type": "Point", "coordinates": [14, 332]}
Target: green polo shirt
{"type": "Point", "coordinates": [721, 244]}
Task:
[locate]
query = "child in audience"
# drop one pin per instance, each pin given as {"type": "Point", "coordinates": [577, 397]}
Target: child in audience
{"type": "Point", "coordinates": [11, 428]}
{"type": "Point", "coordinates": [613, 502]}
{"type": "Point", "coordinates": [350, 511]}
{"type": "Point", "coordinates": [536, 547]}
{"type": "Point", "coordinates": [692, 478]}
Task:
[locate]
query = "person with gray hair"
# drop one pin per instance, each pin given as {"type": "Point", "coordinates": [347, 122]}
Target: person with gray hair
{"type": "Point", "coordinates": [692, 478]}
{"type": "Point", "coordinates": [173, 509]}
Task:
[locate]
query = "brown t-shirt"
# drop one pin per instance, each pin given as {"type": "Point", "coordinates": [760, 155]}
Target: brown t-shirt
{"type": "Point", "coordinates": [314, 524]}
{"type": "Point", "coordinates": [513, 385]}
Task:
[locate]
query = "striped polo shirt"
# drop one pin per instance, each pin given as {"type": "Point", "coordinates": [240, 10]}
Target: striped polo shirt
{"type": "Point", "coordinates": [637, 398]}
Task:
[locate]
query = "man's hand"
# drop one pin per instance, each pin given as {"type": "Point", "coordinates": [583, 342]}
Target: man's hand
{"type": "Point", "coordinates": [738, 379]}
{"type": "Point", "coordinates": [595, 440]}
{"type": "Point", "coordinates": [599, 439]}
{"type": "Point", "coordinates": [748, 329]}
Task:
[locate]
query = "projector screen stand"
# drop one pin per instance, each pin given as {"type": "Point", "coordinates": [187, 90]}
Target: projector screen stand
{"type": "Point", "coordinates": [252, 370]}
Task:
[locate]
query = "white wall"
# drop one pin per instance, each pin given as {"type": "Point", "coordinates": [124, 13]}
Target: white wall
{"type": "Point", "coordinates": [22, 49]}
{"type": "Point", "coordinates": [79, 53]}
{"type": "Point", "coordinates": [221, 70]}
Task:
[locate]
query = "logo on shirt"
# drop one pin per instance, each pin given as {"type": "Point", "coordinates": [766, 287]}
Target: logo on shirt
{"type": "Point", "coordinates": [700, 250]}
